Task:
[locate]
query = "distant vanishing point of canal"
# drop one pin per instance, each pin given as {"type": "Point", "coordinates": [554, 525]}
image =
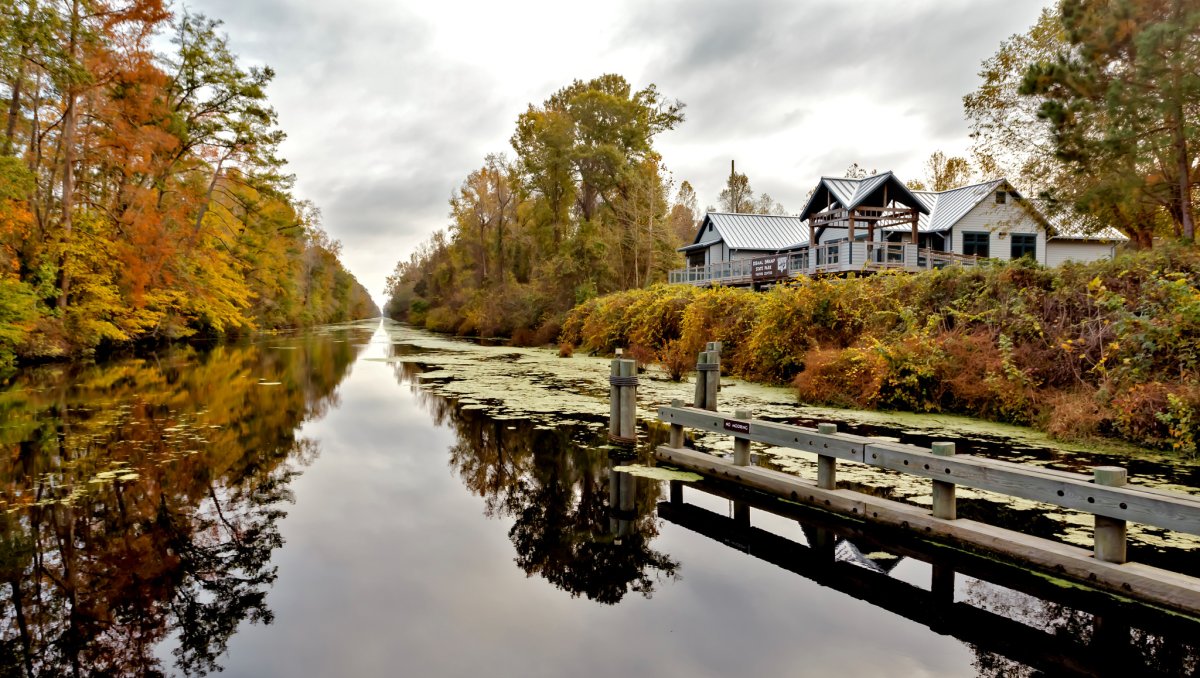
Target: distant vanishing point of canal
{"type": "Point", "coordinates": [372, 500]}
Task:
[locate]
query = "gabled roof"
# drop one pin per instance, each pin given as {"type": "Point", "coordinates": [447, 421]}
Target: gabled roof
{"type": "Point", "coordinates": [947, 207]}
{"type": "Point", "coordinates": [850, 193]}
{"type": "Point", "coordinates": [758, 232]}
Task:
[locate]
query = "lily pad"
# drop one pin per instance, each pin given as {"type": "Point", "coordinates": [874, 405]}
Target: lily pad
{"type": "Point", "coordinates": [659, 473]}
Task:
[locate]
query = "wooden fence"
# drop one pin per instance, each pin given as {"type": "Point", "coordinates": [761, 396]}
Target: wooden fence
{"type": "Point", "coordinates": [1105, 494]}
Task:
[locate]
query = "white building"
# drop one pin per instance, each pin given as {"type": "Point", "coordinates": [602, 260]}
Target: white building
{"type": "Point", "coordinates": [878, 223]}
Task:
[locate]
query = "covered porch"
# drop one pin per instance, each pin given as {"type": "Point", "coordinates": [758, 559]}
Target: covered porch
{"type": "Point", "coordinates": [829, 259]}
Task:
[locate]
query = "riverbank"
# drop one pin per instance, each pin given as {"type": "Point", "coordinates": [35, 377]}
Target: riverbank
{"type": "Point", "coordinates": [1101, 351]}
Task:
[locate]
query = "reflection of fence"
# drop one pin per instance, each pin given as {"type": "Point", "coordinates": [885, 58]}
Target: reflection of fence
{"type": "Point", "coordinates": [834, 556]}
{"type": "Point", "coordinates": [1105, 495]}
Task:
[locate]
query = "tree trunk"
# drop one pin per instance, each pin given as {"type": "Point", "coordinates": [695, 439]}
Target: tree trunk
{"type": "Point", "coordinates": [1186, 222]}
{"type": "Point", "coordinates": [14, 106]}
{"type": "Point", "coordinates": [68, 143]}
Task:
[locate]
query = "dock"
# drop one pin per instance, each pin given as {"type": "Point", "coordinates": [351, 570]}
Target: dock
{"type": "Point", "coordinates": [1107, 493]}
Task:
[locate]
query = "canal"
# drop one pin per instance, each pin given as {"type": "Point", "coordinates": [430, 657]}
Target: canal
{"type": "Point", "coordinates": [370, 500]}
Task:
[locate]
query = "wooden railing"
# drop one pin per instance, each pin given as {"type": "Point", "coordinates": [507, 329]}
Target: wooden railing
{"type": "Point", "coordinates": [834, 257]}
{"type": "Point", "coordinates": [1105, 495]}
{"type": "Point", "coordinates": [724, 272]}
{"type": "Point", "coordinates": [879, 217]}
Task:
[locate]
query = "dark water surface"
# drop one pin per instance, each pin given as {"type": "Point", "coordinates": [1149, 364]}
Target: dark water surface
{"type": "Point", "coordinates": [300, 507]}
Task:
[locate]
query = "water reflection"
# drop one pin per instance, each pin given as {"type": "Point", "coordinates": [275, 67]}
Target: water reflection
{"type": "Point", "coordinates": [577, 523]}
{"type": "Point", "coordinates": [589, 530]}
{"type": "Point", "coordinates": [1015, 622]}
{"type": "Point", "coordinates": [140, 502]}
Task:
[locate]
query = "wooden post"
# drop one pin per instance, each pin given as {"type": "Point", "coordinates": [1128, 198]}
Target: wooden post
{"type": "Point", "coordinates": [614, 495]}
{"type": "Point", "coordinates": [701, 376]}
{"type": "Point", "coordinates": [944, 505]}
{"type": "Point", "coordinates": [826, 465]}
{"type": "Point", "coordinates": [676, 491]}
{"type": "Point", "coordinates": [915, 239]}
{"type": "Point", "coordinates": [676, 439]}
{"type": "Point", "coordinates": [624, 508]}
{"type": "Point", "coordinates": [628, 401]}
{"type": "Point", "coordinates": [741, 513]}
{"type": "Point", "coordinates": [1110, 532]}
{"type": "Point", "coordinates": [713, 381]}
{"type": "Point", "coordinates": [714, 347]}
{"type": "Point", "coordinates": [614, 399]}
{"type": "Point", "coordinates": [941, 583]}
{"type": "Point", "coordinates": [741, 446]}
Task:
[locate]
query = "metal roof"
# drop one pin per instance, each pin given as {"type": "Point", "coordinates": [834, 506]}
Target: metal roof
{"type": "Point", "coordinates": [1073, 227]}
{"type": "Point", "coordinates": [760, 232]}
{"type": "Point", "coordinates": [850, 193]}
{"type": "Point", "coordinates": [946, 208]}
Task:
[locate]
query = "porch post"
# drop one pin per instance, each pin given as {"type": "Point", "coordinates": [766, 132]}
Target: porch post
{"type": "Point", "coordinates": [850, 236]}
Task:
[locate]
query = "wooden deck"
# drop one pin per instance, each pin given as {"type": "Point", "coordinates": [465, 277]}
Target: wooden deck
{"type": "Point", "coordinates": [832, 258]}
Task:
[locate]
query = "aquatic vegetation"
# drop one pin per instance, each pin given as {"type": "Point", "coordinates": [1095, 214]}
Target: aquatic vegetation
{"type": "Point", "coordinates": [659, 473]}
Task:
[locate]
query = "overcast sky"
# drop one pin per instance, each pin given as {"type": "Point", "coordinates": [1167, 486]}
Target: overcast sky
{"type": "Point", "coordinates": [388, 104]}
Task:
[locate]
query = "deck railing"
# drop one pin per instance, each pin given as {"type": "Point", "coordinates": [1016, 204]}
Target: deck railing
{"type": "Point", "coordinates": [834, 257]}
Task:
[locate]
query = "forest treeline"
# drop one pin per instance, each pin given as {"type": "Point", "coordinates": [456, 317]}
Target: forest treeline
{"type": "Point", "coordinates": [1105, 349]}
{"type": "Point", "coordinates": [142, 197]}
{"type": "Point", "coordinates": [582, 209]}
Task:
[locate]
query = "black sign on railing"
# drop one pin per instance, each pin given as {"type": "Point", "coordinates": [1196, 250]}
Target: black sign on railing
{"type": "Point", "coordinates": [737, 426]}
{"type": "Point", "coordinates": [769, 268]}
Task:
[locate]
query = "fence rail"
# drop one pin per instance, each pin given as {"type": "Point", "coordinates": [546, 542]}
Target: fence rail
{"type": "Point", "coordinates": [1105, 495]}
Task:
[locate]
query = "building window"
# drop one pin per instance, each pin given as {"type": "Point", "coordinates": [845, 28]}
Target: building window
{"type": "Point", "coordinates": [1001, 197]}
{"type": "Point", "coordinates": [1024, 245]}
{"type": "Point", "coordinates": [976, 243]}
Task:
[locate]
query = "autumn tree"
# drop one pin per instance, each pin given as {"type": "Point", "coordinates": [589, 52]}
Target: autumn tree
{"type": "Point", "coordinates": [148, 201]}
{"type": "Point", "coordinates": [737, 196]}
{"type": "Point", "coordinates": [1123, 104]}
{"type": "Point", "coordinates": [944, 172]}
{"type": "Point", "coordinates": [684, 213]}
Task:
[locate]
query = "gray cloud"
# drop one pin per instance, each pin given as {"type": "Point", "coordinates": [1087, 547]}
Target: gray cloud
{"type": "Point", "coordinates": [389, 105]}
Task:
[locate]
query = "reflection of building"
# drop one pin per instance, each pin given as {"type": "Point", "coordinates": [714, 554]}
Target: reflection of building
{"type": "Point", "coordinates": [878, 223]}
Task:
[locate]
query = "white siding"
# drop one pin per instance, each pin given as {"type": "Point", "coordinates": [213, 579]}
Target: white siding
{"type": "Point", "coordinates": [832, 233]}
{"type": "Point", "coordinates": [1059, 252]}
{"type": "Point", "coordinates": [1000, 221]}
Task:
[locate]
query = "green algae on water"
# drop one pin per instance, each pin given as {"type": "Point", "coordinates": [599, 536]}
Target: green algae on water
{"type": "Point", "coordinates": [659, 473]}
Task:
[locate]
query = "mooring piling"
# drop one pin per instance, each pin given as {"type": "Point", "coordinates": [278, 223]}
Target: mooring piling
{"type": "Point", "coordinates": [622, 417]}
{"type": "Point", "coordinates": [708, 379]}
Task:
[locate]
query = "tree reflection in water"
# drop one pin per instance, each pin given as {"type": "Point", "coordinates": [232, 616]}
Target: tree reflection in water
{"type": "Point", "coordinates": [140, 502]}
{"type": "Point", "coordinates": [577, 523]}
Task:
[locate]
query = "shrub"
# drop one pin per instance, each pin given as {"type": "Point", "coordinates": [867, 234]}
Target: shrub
{"type": "Point", "coordinates": [1076, 415]}
{"type": "Point", "coordinates": [677, 359]}
{"type": "Point", "coordinates": [849, 377]}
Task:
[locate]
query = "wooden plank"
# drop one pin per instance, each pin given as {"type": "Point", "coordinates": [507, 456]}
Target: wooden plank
{"type": "Point", "coordinates": [1171, 590]}
{"type": "Point", "coordinates": [1180, 512]}
{"type": "Point", "coordinates": [842, 446]}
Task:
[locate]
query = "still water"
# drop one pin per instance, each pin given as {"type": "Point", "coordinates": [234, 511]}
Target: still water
{"type": "Point", "coordinates": [339, 503]}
